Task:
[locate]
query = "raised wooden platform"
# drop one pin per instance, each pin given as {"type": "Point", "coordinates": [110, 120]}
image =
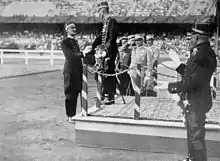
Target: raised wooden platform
{"type": "Point", "coordinates": [160, 128]}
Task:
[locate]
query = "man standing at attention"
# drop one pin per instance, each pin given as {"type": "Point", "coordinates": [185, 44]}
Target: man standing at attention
{"type": "Point", "coordinates": [106, 42]}
{"type": "Point", "coordinates": [72, 71]}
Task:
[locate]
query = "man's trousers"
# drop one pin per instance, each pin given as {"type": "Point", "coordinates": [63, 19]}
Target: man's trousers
{"type": "Point", "coordinates": [71, 104]}
{"type": "Point", "coordinates": [108, 82]}
{"type": "Point", "coordinates": [195, 124]}
{"type": "Point", "coordinates": [71, 94]}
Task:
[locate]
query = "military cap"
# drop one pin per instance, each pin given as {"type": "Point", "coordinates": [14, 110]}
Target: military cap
{"type": "Point", "coordinates": [149, 37]}
{"type": "Point", "coordinates": [205, 30]}
{"type": "Point", "coordinates": [123, 38]}
{"type": "Point", "coordinates": [103, 5]}
{"type": "Point", "coordinates": [138, 37]}
{"type": "Point", "coordinates": [131, 37]}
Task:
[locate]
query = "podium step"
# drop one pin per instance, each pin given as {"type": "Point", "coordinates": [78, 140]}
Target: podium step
{"type": "Point", "coordinates": [113, 127]}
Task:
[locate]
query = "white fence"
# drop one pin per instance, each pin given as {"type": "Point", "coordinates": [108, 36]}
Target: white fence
{"type": "Point", "coordinates": [50, 55]}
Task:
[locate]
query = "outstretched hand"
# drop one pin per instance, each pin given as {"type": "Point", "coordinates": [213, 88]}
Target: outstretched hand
{"type": "Point", "coordinates": [87, 50]}
{"type": "Point", "coordinates": [163, 86]}
{"type": "Point", "coordinates": [174, 57]}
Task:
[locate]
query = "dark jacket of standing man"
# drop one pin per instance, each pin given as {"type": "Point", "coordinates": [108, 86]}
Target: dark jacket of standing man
{"type": "Point", "coordinates": [107, 40]}
{"type": "Point", "coordinates": [72, 71]}
{"type": "Point", "coordinates": [195, 83]}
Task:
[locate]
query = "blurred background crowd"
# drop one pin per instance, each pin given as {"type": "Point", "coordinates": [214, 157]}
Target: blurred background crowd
{"type": "Point", "coordinates": [88, 7]}
{"type": "Point", "coordinates": [12, 37]}
{"type": "Point", "coordinates": [51, 41]}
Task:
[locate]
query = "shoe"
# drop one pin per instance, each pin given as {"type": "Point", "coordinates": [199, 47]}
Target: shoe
{"type": "Point", "coordinates": [188, 158]}
{"type": "Point", "coordinates": [108, 101]}
{"type": "Point", "coordinates": [71, 120]}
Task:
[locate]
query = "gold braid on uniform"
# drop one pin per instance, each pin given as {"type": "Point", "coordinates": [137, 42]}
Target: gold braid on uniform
{"type": "Point", "coordinates": [105, 32]}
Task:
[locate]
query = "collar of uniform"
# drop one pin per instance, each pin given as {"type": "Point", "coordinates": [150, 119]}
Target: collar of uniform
{"type": "Point", "coordinates": [202, 44]}
{"type": "Point", "coordinates": [71, 37]}
{"type": "Point", "coordinates": [108, 17]}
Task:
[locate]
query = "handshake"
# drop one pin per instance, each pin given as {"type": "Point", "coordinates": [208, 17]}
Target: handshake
{"type": "Point", "coordinates": [87, 50]}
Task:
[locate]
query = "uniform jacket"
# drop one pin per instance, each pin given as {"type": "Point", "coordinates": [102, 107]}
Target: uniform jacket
{"type": "Point", "coordinates": [125, 57]}
{"type": "Point", "coordinates": [108, 38]}
{"type": "Point", "coordinates": [196, 76]}
{"type": "Point", "coordinates": [141, 55]}
{"type": "Point", "coordinates": [73, 64]}
{"type": "Point", "coordinates": [155, 52]}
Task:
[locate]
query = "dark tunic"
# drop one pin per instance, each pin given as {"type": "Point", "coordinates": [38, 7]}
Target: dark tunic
{"type": "Point", "coordinates": [73, 66]}
{"type": "Point", "coordinates": [195, 85]}
{"type": "Point", "coordinates": [108, 38]}
{"type": "Point", "coordinates": [197, 74]}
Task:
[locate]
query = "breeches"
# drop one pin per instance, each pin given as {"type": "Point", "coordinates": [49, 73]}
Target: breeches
{"type": "Point", "coordinates": [196, 135]}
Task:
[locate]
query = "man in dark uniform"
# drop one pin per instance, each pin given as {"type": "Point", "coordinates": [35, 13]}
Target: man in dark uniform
{"type": "Point", "coordinates": [106, 41]}
{"type": "Point", "coordinates": [72, 71]}
{"type": "Point", "coordinates": [195, 87]}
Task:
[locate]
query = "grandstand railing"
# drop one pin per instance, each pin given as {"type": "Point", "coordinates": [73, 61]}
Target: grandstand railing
{"type": "Point", "coordinates": [50, 55]}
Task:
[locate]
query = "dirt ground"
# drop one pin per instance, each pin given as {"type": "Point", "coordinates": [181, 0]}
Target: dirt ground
{"type": "Point", "coordinates": [33, 125]}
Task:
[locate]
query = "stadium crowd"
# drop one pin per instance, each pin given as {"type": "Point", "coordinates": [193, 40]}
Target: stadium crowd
{"type": "Point", "coordinates": [51, 41]}
{"type": "Point", "coordinates": [118, 7]}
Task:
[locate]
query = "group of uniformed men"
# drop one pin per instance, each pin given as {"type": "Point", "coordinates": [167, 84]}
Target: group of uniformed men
{"type": "Point", "coordinates": [194, 85]}
{"type": "Point", "coordinates": [133, 50]}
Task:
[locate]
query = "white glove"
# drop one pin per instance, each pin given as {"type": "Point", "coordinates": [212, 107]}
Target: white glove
{"type": "Point", "coordinates": [164, 86]}
{"type": "Point", "coordinates": [87, 50]}
{"type": "Point", "coordinates": [175, 97]}
{"type": "Point", "coordinates": [174, 57]}
{"type": "Point", "coordinates": [103, 53]}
